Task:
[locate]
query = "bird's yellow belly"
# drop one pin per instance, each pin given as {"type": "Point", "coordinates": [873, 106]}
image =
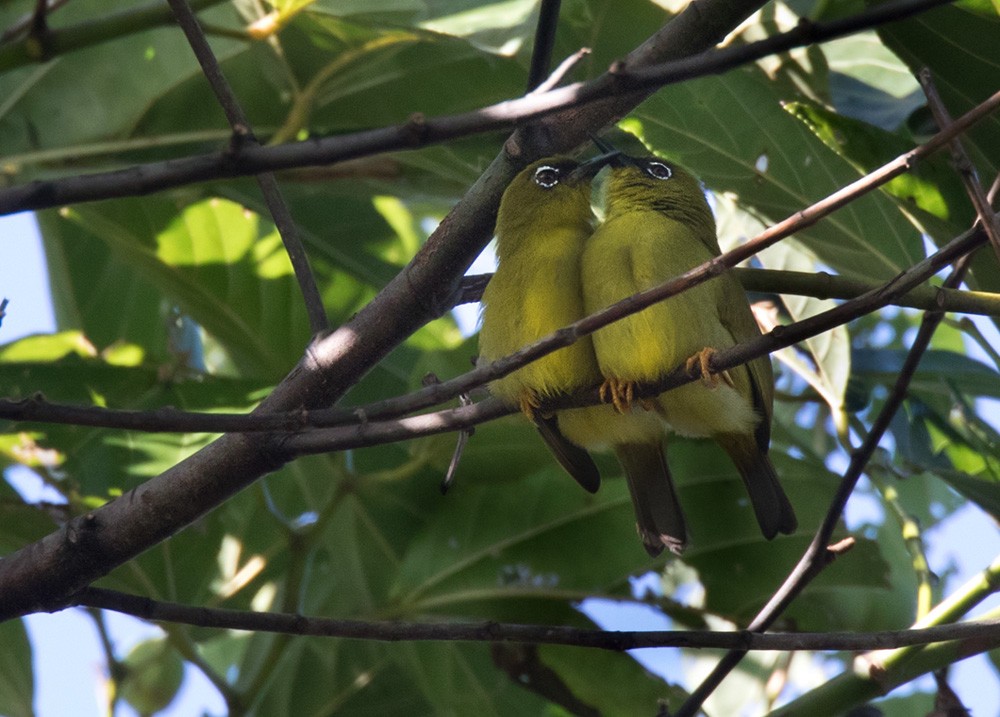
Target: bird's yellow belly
{"type": "Point", "coordinates": [645, 346]}
{"type": "Point", "coordinates": [648, 345]}
{"type": "Point", "coordinates": [699, 411]}
{"type": "Point", "coordinates": [515, 316]}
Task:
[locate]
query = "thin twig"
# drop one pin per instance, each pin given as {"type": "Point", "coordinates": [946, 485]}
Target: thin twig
{"type": "Point", "coordinates": [39, 21]}
{"type": "Point", "coordinates": [559, 74]}
{"type": "Point", "coordinates": [912, 534]}
{"type": "Point", "coordinates": [818, 285]}
{"type": "Point", "coordinates": [27, 21]}
{"type": "Point", "coordinates": [295, 624]}
{"type": "Point", "coordinates": [61, 41]}
{"type": "Point", "coordinates": [877, 672]}
{"type": "Point", "coordinates": [456, 456]}
{"type": "Point", "coordinates": [117, 671]}
{"type": "Point", "coordinates": [817, 557]}
{"type": "Point", "coordinates": [966, 169]}
{"type": "Point", "coordinates": [545, 40]}
{"type": "Point", "coordinates": [420, 131]}
{"type": "Point", "coordinates": [243, 137]}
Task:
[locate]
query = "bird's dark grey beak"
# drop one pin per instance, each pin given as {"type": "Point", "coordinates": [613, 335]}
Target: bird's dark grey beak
{"type": "Point", "coordinates": [619, 160]}
{"type": "Point", "coordinates": [590, 168]}
{"type": "Point", "coordinates": [602, 144]}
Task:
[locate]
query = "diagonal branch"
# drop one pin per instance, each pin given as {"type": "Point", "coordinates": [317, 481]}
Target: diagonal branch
{"type": "Point", "coordinates": [369, 432]}
{"type": "Point", "coordinates": [243, 136]}
{"type": "Point", "coordinates": [966, 169]}
{"type": "Point", "coordinates": [373, 433]}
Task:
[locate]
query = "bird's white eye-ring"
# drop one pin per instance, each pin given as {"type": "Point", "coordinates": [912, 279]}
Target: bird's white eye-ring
{"type": "Point", "coordinates": [658, 170]}
{"type": "Point", "coordinates": [546, 176]}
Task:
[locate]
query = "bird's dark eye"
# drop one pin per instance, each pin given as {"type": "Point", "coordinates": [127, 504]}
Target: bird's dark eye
{"type": "Point", "coordinates": [546, 176]}
{"type": "Point", "coordinates": [658, 170]}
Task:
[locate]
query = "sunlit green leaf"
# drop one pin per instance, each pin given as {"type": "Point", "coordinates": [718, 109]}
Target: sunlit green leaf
{"type": "Point", "coordinates": [733, 133]}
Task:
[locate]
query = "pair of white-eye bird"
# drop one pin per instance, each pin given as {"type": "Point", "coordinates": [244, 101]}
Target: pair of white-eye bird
{"type": "Point", "coordinates": [554, 268]}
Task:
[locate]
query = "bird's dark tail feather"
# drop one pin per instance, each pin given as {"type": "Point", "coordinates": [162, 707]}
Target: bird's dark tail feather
{"type": "Point", "coordinates": [770, 504]}
{"type": "Point", "coordinates": [658, 514]}
{"type": "Point", "coordinates": [575, 460]}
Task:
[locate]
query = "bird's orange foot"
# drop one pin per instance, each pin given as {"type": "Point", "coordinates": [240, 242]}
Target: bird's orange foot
{"type": "Point", "coordinates": [620, 393]}
{"type": "Point", "coordinates": [708, 377]}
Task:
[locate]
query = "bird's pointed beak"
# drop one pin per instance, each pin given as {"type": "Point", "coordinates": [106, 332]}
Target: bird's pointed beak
{"type": "Point", "coordinates": [620, 159]}
{"type": "Point", "coordinates": [602, 144]}
{"type": "Point", "coordinates": [590, 168]}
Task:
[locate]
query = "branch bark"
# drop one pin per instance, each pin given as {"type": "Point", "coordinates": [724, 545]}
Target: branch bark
{"type": "Point", "coordinates": [618, 641]}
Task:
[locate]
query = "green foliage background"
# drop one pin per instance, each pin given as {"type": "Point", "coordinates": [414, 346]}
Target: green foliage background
{"type": "Point", "coordinates": [185, 298]}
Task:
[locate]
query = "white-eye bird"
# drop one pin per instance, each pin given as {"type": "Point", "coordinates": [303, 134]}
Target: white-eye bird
{"type": "Point", "coordinates": [657, 226]}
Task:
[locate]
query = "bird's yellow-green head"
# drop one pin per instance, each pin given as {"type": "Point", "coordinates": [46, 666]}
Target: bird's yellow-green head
{"type": "Point", "coordinates": [654, 184]}
{"type": "Point", "coordinates": [552, 193]}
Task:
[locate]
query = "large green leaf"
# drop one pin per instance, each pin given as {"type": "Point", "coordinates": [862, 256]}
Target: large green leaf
{"type": "Point", "coordinates": [868, 82]}
{"type": "Point", "coordinates": [938, 373]}
{"type": "Point", "coordinates": [62, 106]}
{"type": "Point", "coordinates": [226, 268]}
{"type": "Point", "coordinates": [733, 133]}
{"type": "Point", "coordinates": [931, 193]}
{"type": "Point", "coordinates": [98, 460]}
{"type": "Point", "coordinates": [959, 48]}
{"type": "Point", "coordinates": [826, 364]}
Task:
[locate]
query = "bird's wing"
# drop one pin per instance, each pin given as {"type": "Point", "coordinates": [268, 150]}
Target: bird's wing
{"type": "Point", "coordinates": [755, 378]}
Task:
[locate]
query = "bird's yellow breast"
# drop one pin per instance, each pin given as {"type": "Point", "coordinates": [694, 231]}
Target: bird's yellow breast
{"type": "Point", "coordinates": [532, 294]}
{"type": "Point", "coordinates": [633, 252]}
